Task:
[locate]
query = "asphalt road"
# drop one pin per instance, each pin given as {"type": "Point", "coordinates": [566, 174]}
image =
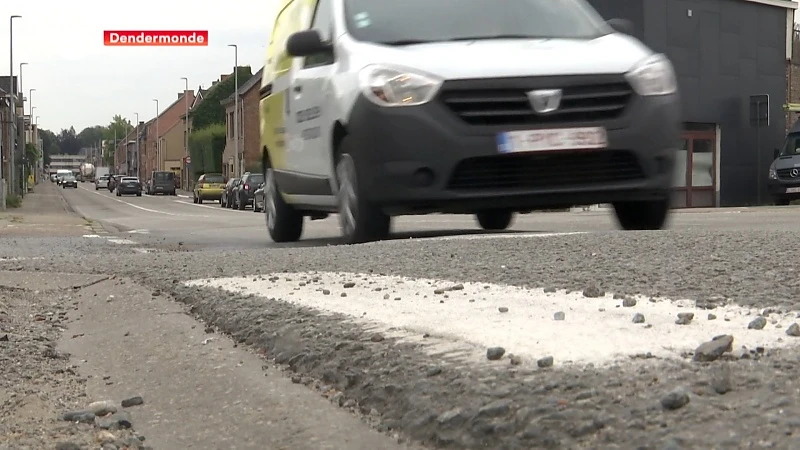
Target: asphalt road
{"type": "Point", "coordinates": [209, 225]}
{"type": "Point", "coordinates": [598, 327]}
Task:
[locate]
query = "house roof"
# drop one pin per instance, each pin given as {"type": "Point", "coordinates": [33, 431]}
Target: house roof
{"type": "Point", "coordinates": [245, 88]}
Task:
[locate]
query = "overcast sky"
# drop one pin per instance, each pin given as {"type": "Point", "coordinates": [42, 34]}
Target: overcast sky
{"type": "Point", "coordinates": [80, 82]}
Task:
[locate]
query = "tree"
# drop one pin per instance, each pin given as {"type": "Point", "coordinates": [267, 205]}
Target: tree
{"type": "Point", "coordinates": [68, 142]}
{"type": "Point", "coordinates": [31, 154]}
{"type": "Point", "coordinates": [205, 148]}
{"type": "Point", "coordinates": [49, 144]}
{"type": "Point", "coordinates": [209, 111]}
{"type": "Point", "coordinates": [117, 129]}
{"type": "Point", "coordinates": [91, 136]}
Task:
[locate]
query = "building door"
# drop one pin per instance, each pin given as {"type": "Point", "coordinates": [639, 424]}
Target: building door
{"type": "Point", "coordinates": [696, 169]}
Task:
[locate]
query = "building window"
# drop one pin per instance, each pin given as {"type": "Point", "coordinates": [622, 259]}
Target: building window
{"type": "Point", "coordinates": [230, 125]}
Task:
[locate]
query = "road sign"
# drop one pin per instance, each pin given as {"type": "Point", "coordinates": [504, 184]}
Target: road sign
{"type": "Point", "coordinates": [188, 159]}
{"type": "Point", "coordinates": [759, 110]}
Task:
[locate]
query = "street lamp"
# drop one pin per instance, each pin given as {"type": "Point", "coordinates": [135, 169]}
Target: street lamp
{"type": "Point", "coordinates": [239, 160]}
{"type": "Point", "coordinates": [30, 99]}
{"type": "Point", "coordinates": [137, 146]}
{"type": "Point", "coordinates": [3, 171]}
{"type": "Point", "coordinates": [185, 129]}
{"type": "Point", "coordinates": [37, 121]}
{"type": "Point", "coordinates": [158, 139]}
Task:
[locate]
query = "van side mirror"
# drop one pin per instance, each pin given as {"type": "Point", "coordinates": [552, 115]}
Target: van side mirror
{"type": "Point", "coordinates": [306, 43]}
{"type": "Point", "coordinates": [623, 26]}
{"type": "Point", "coordinates": [776, 153]}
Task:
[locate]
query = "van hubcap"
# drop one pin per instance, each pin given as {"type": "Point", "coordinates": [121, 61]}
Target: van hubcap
{"type": "Point", "coordinates": [271, 206]}
{"type": "Point", "coordinates": [348, 206]}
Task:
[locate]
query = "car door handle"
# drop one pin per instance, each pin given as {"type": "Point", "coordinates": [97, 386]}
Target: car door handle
{"type": "Point", "coordinates": [297, 88]}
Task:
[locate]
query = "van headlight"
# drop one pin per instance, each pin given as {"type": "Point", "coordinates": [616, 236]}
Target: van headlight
{"type": "Point", "coordinates": [653, 76]}
{"type": "Point", "coordinates": [397, 86]}
{"type": "Point", "coordinates": [773, 174]}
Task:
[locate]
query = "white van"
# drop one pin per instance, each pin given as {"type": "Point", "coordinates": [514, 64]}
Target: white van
{"type": "Point", "coordinates": [378, 108]}
{"type": "Point", "coordinates": [60, 174]}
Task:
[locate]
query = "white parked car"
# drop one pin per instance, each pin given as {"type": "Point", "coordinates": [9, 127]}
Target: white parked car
{"type": "Point", "coordinates": [101, 183]}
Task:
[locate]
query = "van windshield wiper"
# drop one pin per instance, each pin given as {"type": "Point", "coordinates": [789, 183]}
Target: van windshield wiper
{"type": "Point", "coordinates": [406, 42]}
{"type": "Point", "coordinates": [497, 36]}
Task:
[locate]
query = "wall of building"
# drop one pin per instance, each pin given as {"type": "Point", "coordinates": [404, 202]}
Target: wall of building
{"type": "Point", "coordinates": [251, 130]}
{"type": "Point", "coordinates": [723, 52]}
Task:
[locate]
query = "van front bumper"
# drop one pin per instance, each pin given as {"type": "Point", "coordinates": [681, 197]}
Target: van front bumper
{"type": "Point", "coordinates": [427, 159]}
{"type": "Point", "coordinates": [784, 189]}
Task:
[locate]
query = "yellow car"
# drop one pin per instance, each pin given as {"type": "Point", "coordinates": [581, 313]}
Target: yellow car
{"type": "Point", "coordinates": [209, 187]}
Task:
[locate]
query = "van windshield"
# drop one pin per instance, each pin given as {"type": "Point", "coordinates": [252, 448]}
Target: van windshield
{"type": "Point", "coordinates": [419, 21]}
{"type": "Point", "coordinates": [792, 145]}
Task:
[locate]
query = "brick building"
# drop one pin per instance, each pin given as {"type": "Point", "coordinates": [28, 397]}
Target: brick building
{"type": "Point", "coordinates": [249, 128]}
{"type": "Point", "coordinates": [151, 145]}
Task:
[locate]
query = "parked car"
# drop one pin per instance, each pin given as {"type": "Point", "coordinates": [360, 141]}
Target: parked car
{"type": "Point", "coordinates": [226, 194]}
{"type": "Point", "coordinates": [209, 187]}
{"type": "Point", "coordinates": [69, 181]}
{"type": "Point", "coordinates": [101, 182]}
{"type": "Point", "coordinates": [53, 177]}
{"type": "Point", "coordinates": [129, 186]}
{"type": "Point", "coordinates": [244, 190]}
{"type": "Point", "coordinates": [161, 182]}
{"type": "Point", "coordinates": [258, 198]}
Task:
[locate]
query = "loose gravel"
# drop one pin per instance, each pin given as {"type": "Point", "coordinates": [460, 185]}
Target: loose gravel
{"type": "Point", "coordinates": [515, 403]}
{"type": "Point", "coordinates": [43, 404]}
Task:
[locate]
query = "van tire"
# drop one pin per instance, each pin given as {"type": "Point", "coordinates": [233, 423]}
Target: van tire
{"type": "Point", "coordinates": [284, 223]}
{"type": "Point", "coordinates": [359, 220]}
{"type": "Point", "coordinates": [495, 219]}
{"type": "Point", "coordinates": [642, 215]}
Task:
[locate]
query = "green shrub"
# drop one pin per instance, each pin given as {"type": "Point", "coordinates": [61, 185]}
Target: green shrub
{"type": "Point", "coordinates": [205, 148]}
{"type": "Point", "coordinates": [13, 201]}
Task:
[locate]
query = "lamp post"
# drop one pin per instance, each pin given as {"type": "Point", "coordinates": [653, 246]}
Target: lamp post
{"type": "Point", "coordinates": [185, 129]}
{"type": "Point", "coordinates": [137, 146]}
{"type": "Point", "coordinates": [9, 172]}
{"type": "Point", "coordinates": [30, 99]}
{"type": "Point", "coordinates": [239, 161]}
{"type": "Point", "coordinates": [158, 139]}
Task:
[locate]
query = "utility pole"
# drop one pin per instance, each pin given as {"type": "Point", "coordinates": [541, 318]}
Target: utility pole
{"type": "Point", "coordinates": [8, 173]}
{"type": "Point", "coordinates": [238, 159]}
{"type": "Point", "coordinates": [185, 131]}
{"type": "Point", "coordinates": [158, 140]}
{"type": "Point", "coordinates": [137, 146]}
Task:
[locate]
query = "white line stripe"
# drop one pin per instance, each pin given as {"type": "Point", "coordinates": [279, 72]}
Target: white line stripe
{"type": "Point", "coordinates": [143, 208]}
{"type": "Point", "coordinates": [215, 208]}
{"type": "Point", "coordinates": [592, 330]}
{"type": "Point", "coordinates": [122, 241]}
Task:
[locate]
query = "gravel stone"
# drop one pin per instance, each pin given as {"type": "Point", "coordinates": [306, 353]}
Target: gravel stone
{"type": "Point", "coordinates": [495, 353]}
{"type": "Point", "coordinates": [502, 309]}
{"type": "Point", "coordinates": [559, 316]}
{"type": "Point", "coordinates": [757, 324]}
{"type": "Point", "coordinates": [638, 318]}
{"type": "Point", "coordinates": [685, 318]}
{"type": "Point", "coordinates": [545, 362]}
{"type": "Point", "coordinates": [712, 316]}
{"type": "Point", "coordinates": [793, 330]}
{"type": "Point", "coordinates": [593, 291]}
{"type": "Point", "coordinates": [713, 349]}
{"type": "Point", "coordinates": [675, 400]}
{"type": "Point", "coordinates": [629, 302]}
{"type": "Point", "coordinates": [133, 401]}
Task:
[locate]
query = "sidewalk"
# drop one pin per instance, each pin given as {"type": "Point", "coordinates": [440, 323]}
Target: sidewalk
{"type": "Point", "coordinates": [43, 213]}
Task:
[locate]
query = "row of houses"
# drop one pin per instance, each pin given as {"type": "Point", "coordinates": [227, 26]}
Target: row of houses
{"type": "Point", "coordinates": [17, 129]}
{"type": "Point", "coordinates": [162, 143]}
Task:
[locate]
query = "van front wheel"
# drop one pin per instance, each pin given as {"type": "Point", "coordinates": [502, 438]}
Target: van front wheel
{"type": "Point", "coordinates": [284, 223]}
{"type": "Point", "coordinates": [359, 220]}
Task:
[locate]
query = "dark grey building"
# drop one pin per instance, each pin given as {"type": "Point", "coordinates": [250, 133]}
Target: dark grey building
{"type": "Point", "coordinates": [723, 51]}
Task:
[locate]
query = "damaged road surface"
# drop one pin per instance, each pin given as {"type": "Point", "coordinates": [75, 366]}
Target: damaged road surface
{"type": "Point", "coordinates": [562, 334]}
{"type": "Point", "coordinates": [143, 374]}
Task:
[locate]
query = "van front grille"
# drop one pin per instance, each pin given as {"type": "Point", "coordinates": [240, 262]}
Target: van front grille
{"type": "Point", "coordinates": [485, 104]}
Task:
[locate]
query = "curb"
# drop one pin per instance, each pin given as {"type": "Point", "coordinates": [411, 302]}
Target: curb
{"type": "Point", "coordinates": [96, 226]}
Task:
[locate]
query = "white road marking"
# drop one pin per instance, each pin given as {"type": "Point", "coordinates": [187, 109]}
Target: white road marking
{"type": "Point", "coordinates": [122, 241]}
{"type": "Point", "coordinates": [143, 250]}
{"type": "Point", "coordinates": [470, 319]}
{"type": "Point", "coordinates": [20, 258]}
{"type": "Point", "coordinates": [143, 208]}
{"type": "Point", "coordinates": [473, 237]}
{"type": "Point", "coordinates": [91, 235]}
{"type": "Point", "coordinates": [216, 208]}
{"type": "Point", "coordinates": [139, 232]}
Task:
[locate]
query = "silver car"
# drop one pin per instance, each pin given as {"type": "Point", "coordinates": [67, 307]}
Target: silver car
{"type": "Point", "coordinates": [101, 183]}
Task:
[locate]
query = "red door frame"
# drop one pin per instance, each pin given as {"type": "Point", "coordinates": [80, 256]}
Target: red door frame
{"type": "Point", "coordinates": [690, 137]}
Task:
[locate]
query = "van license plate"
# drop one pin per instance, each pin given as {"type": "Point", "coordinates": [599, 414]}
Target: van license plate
{"type": "Point", "coordinates": [552, 140]}
{"type": "Point", "coordinates": [793, 190]}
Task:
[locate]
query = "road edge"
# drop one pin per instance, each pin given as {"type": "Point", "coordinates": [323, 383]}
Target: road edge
{"type": "Point", "coordinates": [97, 226]}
